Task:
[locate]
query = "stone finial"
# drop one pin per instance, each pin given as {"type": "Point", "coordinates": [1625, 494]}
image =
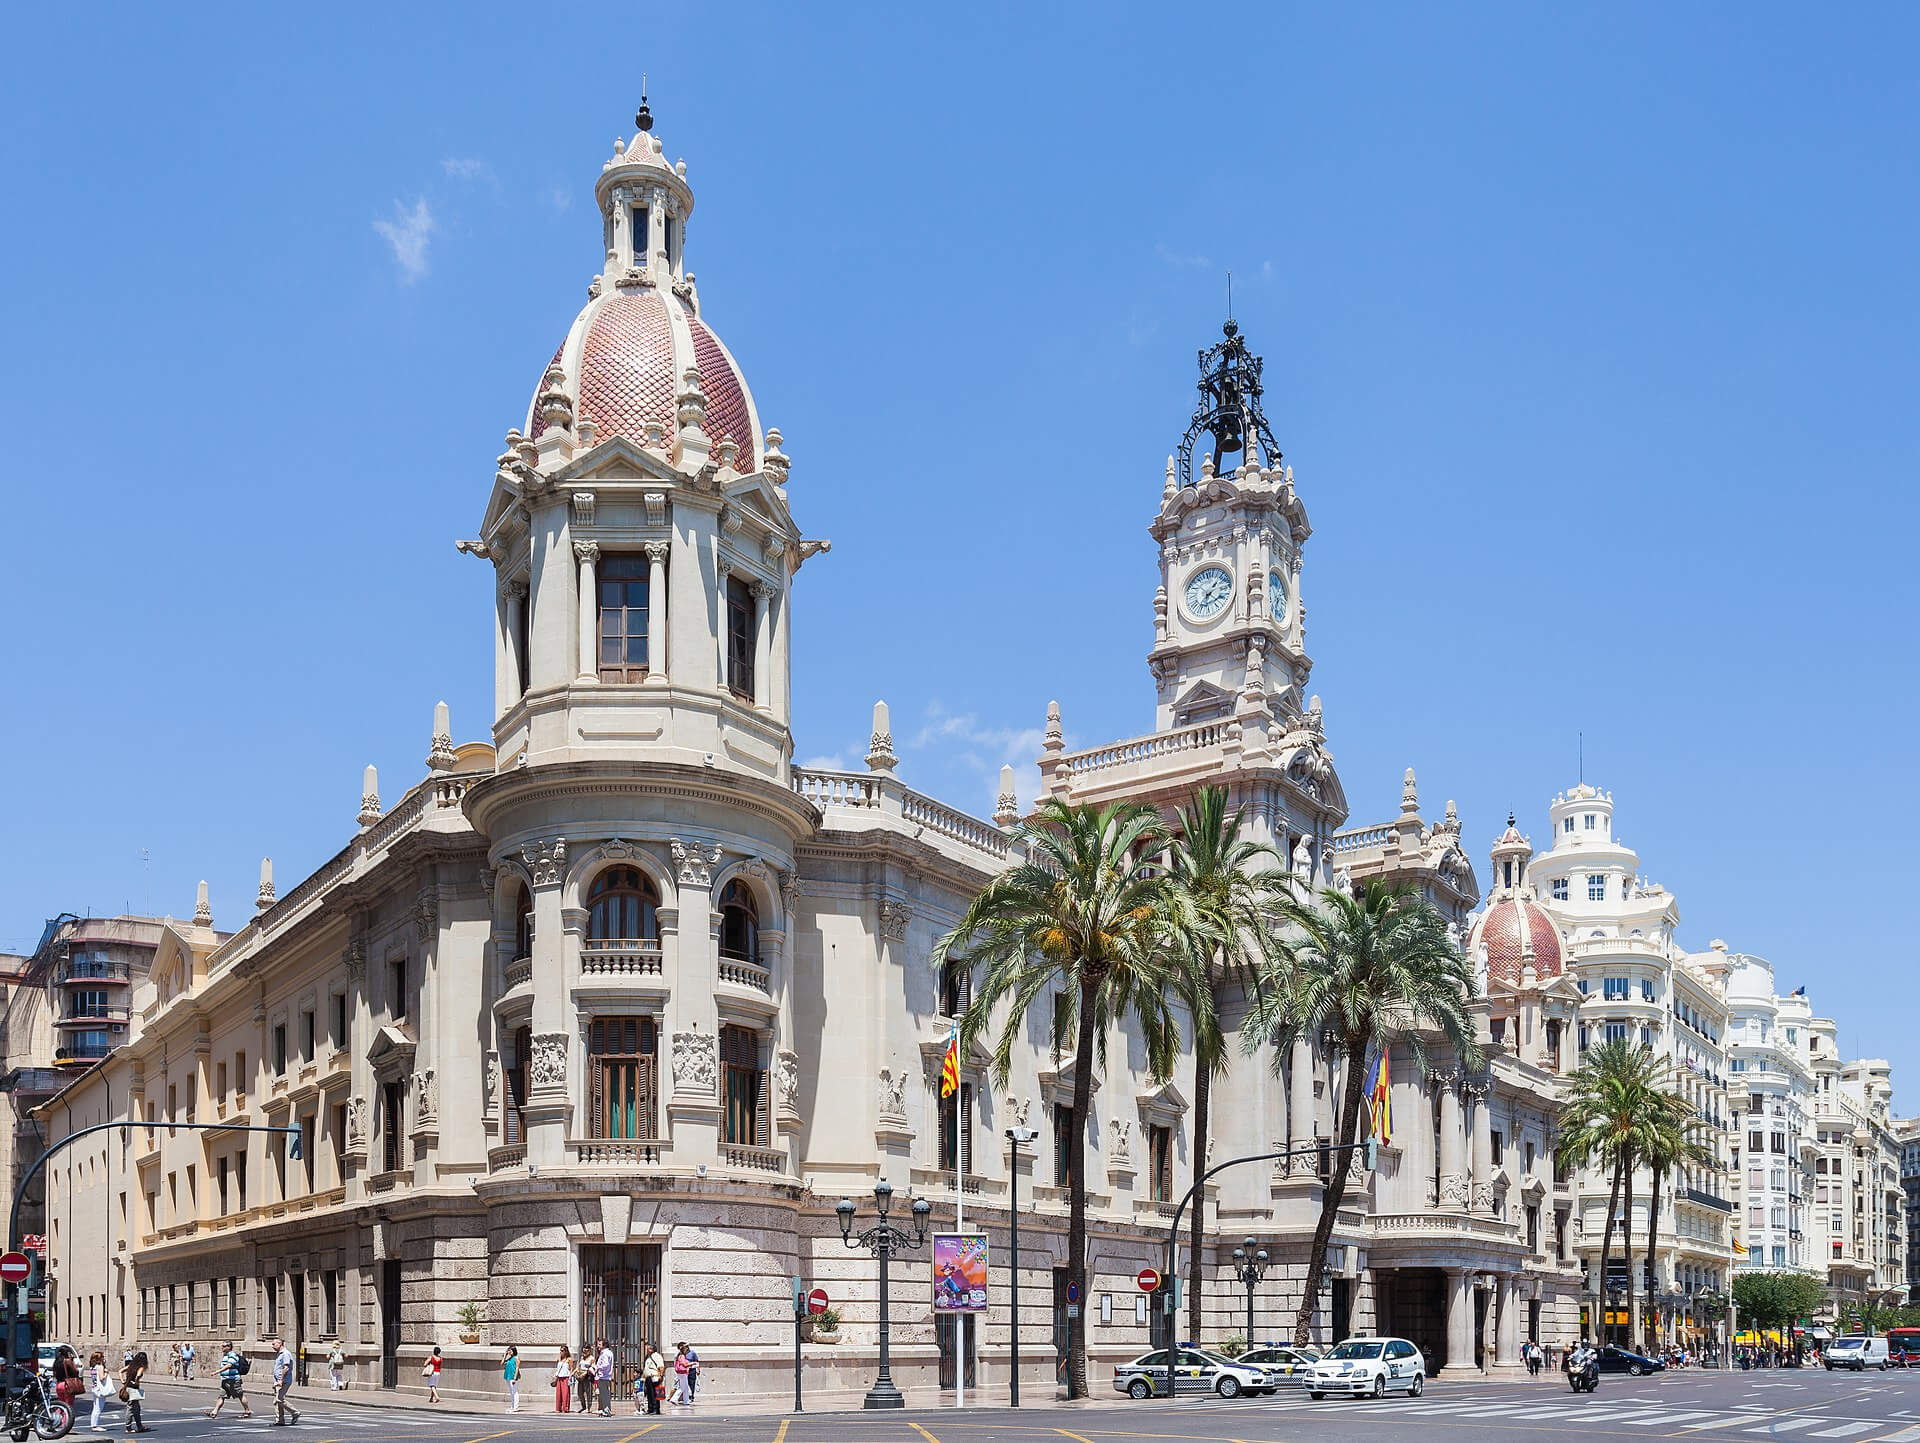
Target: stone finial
{"type": "Point", "coordinates": [880, 757]}
{"type": "Point", "coordinates": [440, 757]}
{"type": "Point", "coordinates": [1451, 821]}
{"type": "Point", "coordinates": [1409, 793]}
{"type": "Point", "coordinates": [202, 908]}
{"type": "Point", "coordinates": [369, 796]}
{"type": "Point", "coordinates": [729, 451]}
{"type": "Point", "coordinates": [556, 407]}
{"type": "Point", "coordinates": [691, 402]}
{"type": "Point", "coordinates": [1168, 491]}
{"type": "Point", "coordinates": [1053, 739]}
{"type": "Point", "coordinates": [266, 897]}
{"type": "Point", "coordinates": [775, 462]}
{"type": "Point", "coordinates": [1007, 811]}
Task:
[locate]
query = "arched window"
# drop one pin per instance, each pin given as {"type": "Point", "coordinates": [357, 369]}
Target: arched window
{"type": "Point", "coordinates": [622, 907]}
{"type": "Point", "coordinates": [739, 924]}
{"type": "Point", "coordinates": [522, 923]}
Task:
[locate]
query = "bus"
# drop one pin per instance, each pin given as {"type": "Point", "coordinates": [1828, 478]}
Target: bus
{"type": "Point", "coordinates": [1903, 1347]}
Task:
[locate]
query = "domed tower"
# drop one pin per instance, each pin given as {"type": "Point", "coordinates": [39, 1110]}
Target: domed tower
{"type": "Point", "coordinates": [642, 819]}
{"type": "Point", "coordinates": [1517, 957]}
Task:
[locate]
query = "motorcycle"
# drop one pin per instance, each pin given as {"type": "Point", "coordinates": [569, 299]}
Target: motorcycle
{"type": "Point", "coordinates": [1585, 1378]}
{"type": "Point", "coordinates": [33, 1408]}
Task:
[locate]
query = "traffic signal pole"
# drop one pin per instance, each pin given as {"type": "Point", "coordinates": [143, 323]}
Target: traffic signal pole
{"type": "Point", "coordinates": [1368, 1145]}
{"type": "Point", "coordinates": [15, 1352]}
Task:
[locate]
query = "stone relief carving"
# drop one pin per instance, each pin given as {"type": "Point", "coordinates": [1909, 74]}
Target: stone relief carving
{"type": "Point", "coordinates": [426, 1099]}
{"type": "Point", "coordinates": [894, 917]}
{"type": "Point", "coordinates": [695, 1062]}
{"type": "Point", "coordinates": [546, 862]}
{"type": "Point", "coordinates": [1017, 1109]}
{"type": "Point", "coordinates": [695, 861]}
{"type": "Point", "coordinates": [786, 1082]}
{"type": "Point", "coordinates": [356, 1123]}
{"type": "Point", "coordinates": [1120, 1148]}
{"type": "Point", "coordinates": [1483, 1197]}
{"type": "Point", "coordinates": [490, 1100]}
{"type": "Point", "coordinates": [1454, 1189]}
{"type": "Point", "coordinates": [618, 849]}
{"type": "Point", "coordinates": [893, 1093]}
{"type": "Point", "coordinates": [355, 959]}
{"type": "Point", "coordinates": [548, 1065]}
{"type": "Point", "coordinates": [426, 913]}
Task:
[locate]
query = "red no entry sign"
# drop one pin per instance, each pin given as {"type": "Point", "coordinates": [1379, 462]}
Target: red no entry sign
{"type": "Point", "coordinates": [817, 1301]}
{"type": "Point", "coordinates": [1148, 1279]}
{"type": "Point", "coordinates": [14, 1268]}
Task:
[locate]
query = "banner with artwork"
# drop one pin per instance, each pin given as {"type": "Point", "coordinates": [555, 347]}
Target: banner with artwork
{"type": "Point", "coordinates": [959, 1272]}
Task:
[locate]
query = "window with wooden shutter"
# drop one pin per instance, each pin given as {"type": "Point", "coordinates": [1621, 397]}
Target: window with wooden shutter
{"type": "Point", "coordinates": [1160, 1163]}
{"type": "Point", "coordinates": [747, 1117]}
{"type": "Point", "coordinates": [944, 1107]}
{"type": "Point", "coordinates": [622, 1077]}
{"type": "Point", "coordinates": [514, 1120]}
{"type": "Point", "coordinates": [739, 925]}
{"type": "Point", "coordinates": [622, 907]}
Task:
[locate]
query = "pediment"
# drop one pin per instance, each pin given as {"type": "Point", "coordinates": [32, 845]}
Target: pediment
{"type": "Point", "coordinates": [617, 459]}
{"type": "Point", "coordinates": [1203, 701]}
{"type": "Point", "coordinates": [1059, 1080]}
{"type": "Point", "coordinates": [973, 1057]}
{"type": "Point", "coordinates": [757, 494]}
{"type": "Point", "coordinates": [392, 1048]}
{"type": "Point", "coordinates": [1164, 1105]}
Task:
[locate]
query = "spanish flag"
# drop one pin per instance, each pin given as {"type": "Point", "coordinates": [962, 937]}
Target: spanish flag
{"type": "Point", "coordinates": [1381, 1104]}
{"type": "Point", "coordinates": [950, 1064]}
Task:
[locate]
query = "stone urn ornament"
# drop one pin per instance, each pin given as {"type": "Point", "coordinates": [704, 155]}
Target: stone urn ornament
{"type": "Point", "coordinates": [469, 1322]}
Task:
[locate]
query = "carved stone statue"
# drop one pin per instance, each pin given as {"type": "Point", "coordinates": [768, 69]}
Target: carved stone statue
{"type": "Point", "coordinates": [893, 1092]}
{"type": "Point", "coordinates": [356, 1123]}
{"type": "Point", "coordinates": [1302, 860]}
{"type": "Point", "coordinates": [1017, 1109]}
{"type": "Point", "coordinates": [696, 1066]}
{"type": "Point", "coordinates": [786, 1081]}
{"type": "Point", "coordinates": [1121, 1148]}
{"type": "Point", "coordinates": [548, 1065]}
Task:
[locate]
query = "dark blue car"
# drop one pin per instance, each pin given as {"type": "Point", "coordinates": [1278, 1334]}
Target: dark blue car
{"type": "Point", "coordinates": [1620, 1360]}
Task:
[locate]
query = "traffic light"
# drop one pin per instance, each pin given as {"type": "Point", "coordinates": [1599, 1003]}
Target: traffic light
{"type": "Point", "coordinates": [1373, 1153]}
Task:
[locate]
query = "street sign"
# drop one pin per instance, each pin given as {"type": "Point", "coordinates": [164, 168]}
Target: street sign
{"type": "Point", "coordinates": [1073, 1292]}
{"type": "Point", "coordinates": [1073, 1310]}
{"type": "Point", "coordinates": [817, 1301]}
{"type": "Point", "coordinates": [34, 1243]}
{"type": "Point", "coordinates": [14, 1268]}
{"type": "Point", "coordinates": [1148, 1279]}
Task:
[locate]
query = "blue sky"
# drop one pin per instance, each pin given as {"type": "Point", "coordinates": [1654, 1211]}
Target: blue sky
{"type": "Point", "coordinates": [1589, 334]}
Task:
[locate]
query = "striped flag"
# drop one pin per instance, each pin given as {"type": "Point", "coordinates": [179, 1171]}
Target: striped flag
{"type": "Point", "coordinates": [950, 1064]}
{"type": "Point", "coordinates": [1382, 1103]}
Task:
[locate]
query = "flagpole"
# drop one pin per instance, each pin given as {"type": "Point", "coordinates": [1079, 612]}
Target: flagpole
{"type": "Point", "coordinates": [959, 1188]}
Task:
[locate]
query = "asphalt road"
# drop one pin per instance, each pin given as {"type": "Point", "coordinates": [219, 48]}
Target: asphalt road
{"type": "Point", "coordinates": [1716, 1408]}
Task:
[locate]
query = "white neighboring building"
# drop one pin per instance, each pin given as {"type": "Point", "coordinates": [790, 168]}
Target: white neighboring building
{"type": "Point", "coordinates": [1774, 1144]}
{"type": "Point", "coordinates": [1859, 1204]}
{"type": "Point", "coordinates": [1636, 983]}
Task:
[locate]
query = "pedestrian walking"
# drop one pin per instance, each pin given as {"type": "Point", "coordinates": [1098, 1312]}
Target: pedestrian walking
{"type": "Point", "coordinates": [693, 1372]}
{"type": "Point", "coordinates": [563, 1381]}
{"type": "Point", "coordinates": [233, 1373]}
{"type": "Point", "coordinates": [431, 1372]}
{"type": "Point", "coordinates": [186, 1361]}
{"type": "Point", "coordinates": [603, 1378]}
{"type": "Point", "coordinates": [173, 1360]}
{"type": "Point", "coordinates": [510, 1370]}
{"type": "Point", "coordinates": [337, 1368]}
{"type": "Point", "coordinates": [131, 1392]}
{"type": "Point", "coordinates": [68, 1383]}
{"type": "Point", "coordinates": [681, 1367]}
{"type": "Point", "coordinates": [100, 1384]}
{"type": "Point", "coordinates": [282, 1381]}
{"type": "Point", "coordinates": [652, 1371]}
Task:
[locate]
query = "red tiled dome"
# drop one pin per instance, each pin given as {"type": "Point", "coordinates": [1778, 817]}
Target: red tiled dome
{"type": "Point", "coordinates": [1501, 931]}
{"type": "Point", "coordinates": [623, 360]}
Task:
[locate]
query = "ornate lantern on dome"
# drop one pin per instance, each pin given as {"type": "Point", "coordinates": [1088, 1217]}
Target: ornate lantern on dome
{"type": "Point", "coordinates": [1229, 407]}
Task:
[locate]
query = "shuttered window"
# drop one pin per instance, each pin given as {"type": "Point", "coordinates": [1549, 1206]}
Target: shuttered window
{"type": "Point", "coordinates": [622, 1065]}
{"type": "Point", "coordinates": [515, 1119]}
{"type": "Point", "coordinates": [622, 907]}
{"type": "Point", "coordinates": [745, 1081]}
{"type": "Point", "coordinates": [944, 1106]}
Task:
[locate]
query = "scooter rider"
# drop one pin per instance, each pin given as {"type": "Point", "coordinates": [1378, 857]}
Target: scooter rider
{"type": "Point", "coordinates": [1583, 1366]}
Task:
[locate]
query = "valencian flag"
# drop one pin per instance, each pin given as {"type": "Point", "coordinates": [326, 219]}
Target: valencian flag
{"type": "Point", "coordinates": [950, 1064]}
{"type": "Point", "coordinates": [1381, 1103]}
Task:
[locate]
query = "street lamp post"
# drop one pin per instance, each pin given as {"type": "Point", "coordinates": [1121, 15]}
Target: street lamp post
{"type": "Point", "coordinates": [1015, 1137]}
{"type": "Point", "coordinates": [1249, 1266]}
{"type": "Point", "coordinates": [883, 1240]}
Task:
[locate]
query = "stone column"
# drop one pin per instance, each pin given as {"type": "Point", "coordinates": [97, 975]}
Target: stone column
{"type": "Point", "coordinates": [361, 1088]}
{"type": "Point", "coordinates": [1460, 1359]}
{"type": "Point", "coordinates": [693, 1013]}
{"type": "Point", "coordinates": [1453, 1143]}
{"type": "Point", "coordinates": [1506, 1345]}
{"type": "Point", "coordinates": [1300, 1106]}
{"type": "Point", "coordinates": [588, 555]}
{"type": "Point", "coordinates": [506, 662]}
{"type": "Point", "coordinates": [763, 645]}
{"type": "Point", "coordinates": [657, 611]}
{"type": "Point", "coordinates": [1477, 1090]}
{"type": "Point", "coordinates": [553, 582]}
{"type": "Point", "coordinates": [549, 1109]}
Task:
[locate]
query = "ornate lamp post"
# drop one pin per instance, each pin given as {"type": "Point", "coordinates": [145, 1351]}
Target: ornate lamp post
{"type": "Point", "coordinates": [1015, 1137]}
{"type": "Point", "coordinates": [883, 1240]}
{"type": "Point", "coordinates": [1249, 1266]}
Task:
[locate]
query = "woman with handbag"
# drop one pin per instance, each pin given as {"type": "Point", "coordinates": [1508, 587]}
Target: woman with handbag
{"type": "Point", "coordinates": [131, 1393]}
{"type": "Point", "coordinates": [563, 1381]}
{"type": "Point", "coordinates": [100, 1384]}
{"type": "Point", "coordinates": [431, 1372]}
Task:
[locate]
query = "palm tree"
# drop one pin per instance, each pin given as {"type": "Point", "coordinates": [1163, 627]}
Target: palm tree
{"type": "Point", "coordinates": [1610, 1099]}
{"type": "Point", "coordinates": [1232, 887]}
{"type": "Point", "coordinates": [1671, 1143]}
{"type": "Point", "coordinates": [1082, 921]}
{"type": "Point", "coordinates": [1366, 971]}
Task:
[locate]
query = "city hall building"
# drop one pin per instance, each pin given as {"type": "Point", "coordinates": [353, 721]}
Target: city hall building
{"type": "Point", "coordinates": [589, 1030]}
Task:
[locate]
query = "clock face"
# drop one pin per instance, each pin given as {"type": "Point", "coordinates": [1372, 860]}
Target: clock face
{"type": "Point", "coordinates": [1208, 591]}
{"type": "Point", "coordinates": [1276, 595]}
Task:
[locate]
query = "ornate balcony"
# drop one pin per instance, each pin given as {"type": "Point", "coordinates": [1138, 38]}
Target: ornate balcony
{"type": "Point", "coordinates": [754, 1159]}
{"type": "Point", "coordinates": [627, 957]}
{"type": "Point", "coordinates": [618, 1152]}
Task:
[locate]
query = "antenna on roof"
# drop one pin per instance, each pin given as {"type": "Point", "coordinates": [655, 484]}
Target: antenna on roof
{"type": "Point", "coordinates": [1229, 295]}
{"type": "Point", "coordinates": [644, 117]}
{"type": "Point", "coordinates": [1583, 756]}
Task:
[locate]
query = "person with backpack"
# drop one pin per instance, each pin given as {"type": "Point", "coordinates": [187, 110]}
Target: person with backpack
{"type": "Point", "coordinates": [233, 1372]}
{"type": "Point", "coordinates": [131, 1393]}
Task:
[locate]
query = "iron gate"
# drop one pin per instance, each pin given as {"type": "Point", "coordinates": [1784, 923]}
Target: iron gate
{"type": "Point", "coordinates": [620, 1301]}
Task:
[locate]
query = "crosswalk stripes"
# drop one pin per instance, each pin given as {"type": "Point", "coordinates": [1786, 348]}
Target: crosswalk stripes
{"type": "Point", "coordinates": [1905, 1435]}
{"type": "Point", "coordinates": [1658, 1418]}
{"type": "Point", "coordinates": [1845, 1430]}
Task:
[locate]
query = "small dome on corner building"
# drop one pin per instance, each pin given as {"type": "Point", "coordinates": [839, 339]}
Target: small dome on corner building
{"type": "Point", "coordinates": [1508, 929]}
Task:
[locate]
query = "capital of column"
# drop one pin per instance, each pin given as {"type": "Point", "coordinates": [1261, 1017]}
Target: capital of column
{"type": "Point", "coordinates": [587, 551]}
{"type": "Point", "coordinates": [657, 552]}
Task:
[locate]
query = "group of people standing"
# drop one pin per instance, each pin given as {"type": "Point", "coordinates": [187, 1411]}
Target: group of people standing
{"type": "Point", "coordinates": [586, 1382]}
{"type": "Point", "coordinates": [69, 1384]}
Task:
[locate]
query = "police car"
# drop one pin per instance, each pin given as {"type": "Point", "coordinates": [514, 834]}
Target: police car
{"type": "Point", "coordinates": [1194, 1371]}
{"type": "Point", "coordinates": [1369, 1366]}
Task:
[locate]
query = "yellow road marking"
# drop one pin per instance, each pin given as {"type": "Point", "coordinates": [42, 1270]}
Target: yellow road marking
{"type": "Point", "coordinates": [651, 1426]}
{"type": "Point", "coordinates": [781, 1436]}
{"type": "Point", "coordinates": [1075, 1436]}
{"type": "Point", "coordinates": [921, 1431]}
{"type": "Point", "coordinates": [485, 1436]}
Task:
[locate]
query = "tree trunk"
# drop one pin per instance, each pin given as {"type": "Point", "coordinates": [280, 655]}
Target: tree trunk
{"type": "Point", "coordinates": [1077, 1193]}
{"type": "Point", "coordinates": [1653, 1240]}
{"type": "Point", "coordinates": [1606, 1252]}
{"type": "Point", "coordinates": [1626, 1244]}
{"type": "Point", "coordinates": [1196, 1237]}
{"type": "Point", "coordinates": [1335, 1191]}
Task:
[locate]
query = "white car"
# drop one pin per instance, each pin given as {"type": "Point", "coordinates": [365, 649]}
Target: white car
{"type": "Point", "coordinates": [1857, 1353]}
{"type": "Point", "coordinates": [1369, 1366]}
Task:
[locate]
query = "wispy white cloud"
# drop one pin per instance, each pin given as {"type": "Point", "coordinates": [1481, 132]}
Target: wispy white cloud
{"type": "Point", "coordinates": [828, 762]}
{"type": "Point", "coordinates": [562, 197]}
{"type": "Point", "coordinates": [466, 167]}
{"type": "Point", "coordinates": [980, 748]}
{"type": "Point", "coordinates": [1182, 260]}
{"type": "Point", "coordinates": [407, 233]}
{"type": "Point", "coordinates": [1266, 270]}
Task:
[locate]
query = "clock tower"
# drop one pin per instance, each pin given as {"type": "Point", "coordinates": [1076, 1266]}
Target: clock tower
{"type": "Point", "coordinates": [1229, 627]}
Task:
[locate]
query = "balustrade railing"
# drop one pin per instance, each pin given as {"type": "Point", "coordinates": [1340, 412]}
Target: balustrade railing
{"type": "Point", "coordinates": [624, 957]}
{"type": "Point", "coordinates": [754, 1159]}
{"type": "Point", "coordinates": [1143, 749]}
{"type": "Point", "coordinates": [838, 789]}
{"type": "Point", "coordinates": [618, 1151]}
{"type": "Point", "coordinates": [742, 973]}
{"type": "Point", "coordinates": [941, 818]}
{"type": "Point", "coordinates": [1360, 838]}
{"type": "Point", "coordinates": [519, 972]}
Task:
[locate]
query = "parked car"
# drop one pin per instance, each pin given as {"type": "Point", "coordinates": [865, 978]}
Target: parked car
{"type": "Point", "coordinates": [1194, 1371]}
{"type": "Point", "coordinates": [1289, 1365]}
{"type": "Point", "coordinates": [1857, 1353]}
{"type": "Point", "coordinates": [1624, 1360]}
{"type": "Point", "coordinates": [44, 1355]}
{"type": "Point", "coordinates": [1375, 1366]}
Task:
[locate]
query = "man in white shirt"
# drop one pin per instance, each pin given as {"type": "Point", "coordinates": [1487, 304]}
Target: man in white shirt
{"type": "Point", "coordinates": [282, 1380]}
{"type": "Point", "coordinates": [603, 1375]}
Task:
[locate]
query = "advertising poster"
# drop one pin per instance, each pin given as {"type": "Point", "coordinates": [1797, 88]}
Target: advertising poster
{"type": "Point", "coordinates": [959, 1272]}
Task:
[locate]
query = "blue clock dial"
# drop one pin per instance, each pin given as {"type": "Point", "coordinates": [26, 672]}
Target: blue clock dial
{"type": "Point", "coordinates": [1208, 591]}
{"type": "Point", "coordinates": [1276, 595]}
